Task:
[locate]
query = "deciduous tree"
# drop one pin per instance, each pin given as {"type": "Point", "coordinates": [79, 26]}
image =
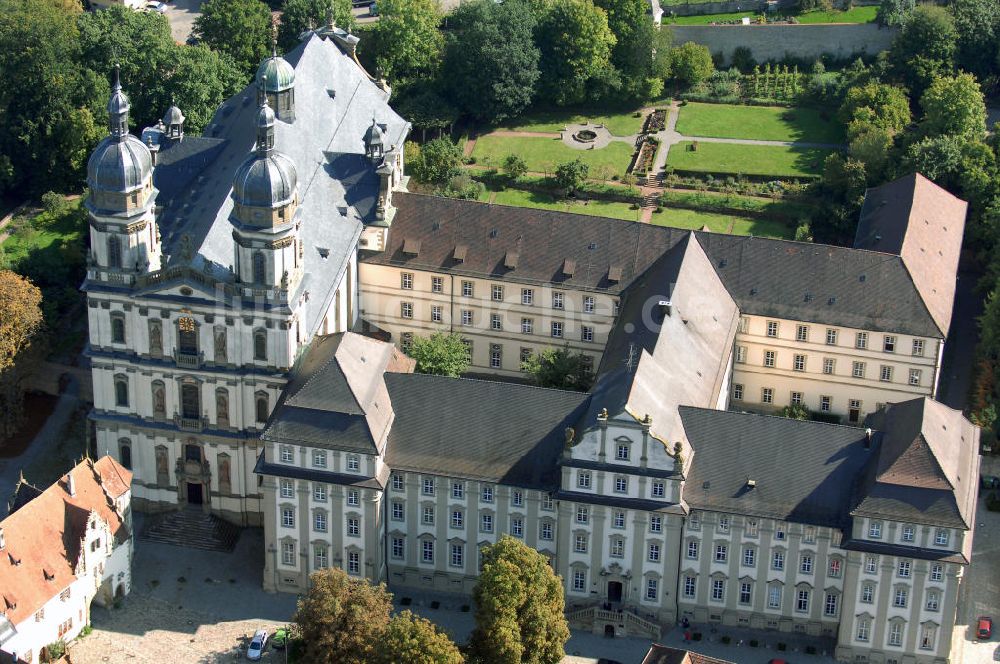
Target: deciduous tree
{"type": "Point", "coordinates": [978, 25]}
{"type": "Point", "coordinates": [893, 12]}
{"type": "Point", "coordinates": [20, 328]}
{"type": "Point", "coordinates": [409, 39]}
{"type": "Point", "coordinates": [491, 58]}
{"type": "Point", "coordinates": [438, 161]}
{"type": "Point", "coordinates": [240, 28]}
{"type": "Point", "coordinates": [297, 16]}
{"type": "Point", "coordinates": [925, 47]}
{"type": "Point", "coordinates": [571, 174]}
{"type": "Point", "coordinates": [341, 618]}
{"type": "Point", "coordinates": [410, 639]}
{"type": "Point", "coordinates": [879, 104]}
{"type": "Point", "coordinates": [559, 368]}
{"type": "Point", "coordinates": [691, 63]}
{"type": "Point", "coordinates": [198, 81]}
{"type": "Point", "coordinates": [519, 608]}
{"type": "Point", "coordinates": [954, 105]}
{"type": "Point", "coordinates": [514, 166]}
{"type": "Point", "coordinates": [575, 43]}
{"type": "Point", "coordinates": [440, 354]}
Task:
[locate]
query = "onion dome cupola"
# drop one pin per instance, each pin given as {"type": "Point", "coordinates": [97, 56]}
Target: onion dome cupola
{"type": "Point", "coordinates": [173, 123]}
{"type": "Point", "coordinates": [265, 199]}
{"type": "Point", "coordinates": [276, 82]}
{"type": "Point", "coordinates": [121, 163]}
{"type": "Point", "coordinates": [374, 142]}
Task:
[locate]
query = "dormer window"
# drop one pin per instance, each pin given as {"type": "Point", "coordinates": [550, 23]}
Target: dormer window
{"type": "Point", "coordinates": [622, 452]}
{"type": "Point", "coordinates": [875, 530]}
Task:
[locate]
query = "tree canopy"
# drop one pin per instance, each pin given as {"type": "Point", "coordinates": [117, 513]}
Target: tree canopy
{"type": "Point", "coordinates": [20, 327]}
{"type": "Point", "coordinates": [240, 28]}
{"type": "Point", "coordinates": [519, 608]}
{"type": "Point", "coordinates": [879, 104]}
{"type": "Point", "coordinates": [691, 63]}
{"type": "Point", "coordinates": [491, 58]}
{"type": "Point", "coordinates": [409, 41]}
{"type": "Point", "coordinates": [437, 161]}
{"type": "Point", "coordinates": [925, 47]}
{"type": "Point", "coordinates": [410, 639]}
{"type": "Point", "coordinates": [440, 354]}
{"type": "Point", "coordinates": [954, 105]}
{"type": "Point", "coordinates": [560, 368]}
{"type": "Point", "coordinates": [297, 16]}
{"type": "Point", "coordinates": [575, 43]}
{"type": "Point", "coordinates": [977, 23]}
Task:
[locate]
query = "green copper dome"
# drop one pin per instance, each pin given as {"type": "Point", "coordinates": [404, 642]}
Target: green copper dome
{"type": "Point", "coordinates": [275, 74]}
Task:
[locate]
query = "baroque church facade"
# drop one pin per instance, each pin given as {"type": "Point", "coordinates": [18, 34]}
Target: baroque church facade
{"type": "Point", "coordinates": [230, 273]}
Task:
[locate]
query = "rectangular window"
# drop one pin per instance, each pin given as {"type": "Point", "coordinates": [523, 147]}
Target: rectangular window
{"type": "Point", "coordinates": [486, 494]}
{"type": "Point", "coordinates": [653, 554]}
{"type": "Point", "coordinates": [831, 337]}
{"type": "Point", "coordinates": [858, 369]}
{"type": "Point", "coordinates": [718, 589]}
{"type": "Point", "coordinates": [527, 296]}
{"type": "Point", "coordinates": [427, 551]}
{"type": "Point", "coordinates": [833, 568]}
{"type": "Point", "coordinates": [692, 549]}
{"type": "Point", "coordinates": [903, 570]}
{"type": "Point", "coordinates": [622, 452]}
{"type": "Point", "coordinates": [918, 347]}
{"type": "Point", "coordinates": [802, 601]}
{"type": "Point", "coordinates": [517, 498]}
{"type": "Point", "coordinates": [397, 482]}
{"type": "Point", "coordinates": [466, 317]}
{"type": "Point", "coordinates": [743, 325]}
{"type": "Point", "coordinates": [723, 524]}
{"type": "Point", "coordinates": [406, 309]}
{"type": "Point", "coordinates": [287, 489]}
{"type": "Point", "coordinates": [496, 323]}
{"type": "Point", "coordinates": [557, 300]}
{"type": "Point", "coordinates": [427, 487]}
{"type": "Point", "coordinates": [830, 605]}
{"type": "Point", "coordinates": [580, 543]}
{"type": "Point", "coordinates": [319, 522]}
{"type": "Point", "coordinates": [933, 600]}
{"type": "Point", "coordinates": [288, 553]}
{"type": "Point", "coordinates": [436, 314]}
{"type": "Point", "coordinates": [915, 375]}
{"type": "Point", "coordinates": [527, 325]}
{"type": "Point", "coordinates": [468, 348]}
{"type": "Point", "coordinates": [286, 455]}
{"type": "Point", "coordinates": [824, 404]}
{"type": "Point", "coordinates": [319, 492]}
{"type": "Point", "coordinates": [694, 521]}
{"type": "Point", "coordinates": [545, 531]}
{"type": "Point", "coordinates": [655, 523]}
{"type": "Point", "coordinates": [766, 395]}
{"type": "Point", "coordinates": [437, 284]}
{"type": "Point", "coordinates": [907, 535]}
{"type": "Point", "coordinates": [774, 597]}
{"type": "Point", "coordinates": [795, 399]}
{"type": "Point", "coordinates": [583, 480]}
{"type": "Point", "coordinates": [749, 556]}
{"type": "Point", "coordinates": [353, 463]}
{"type": "Point", "coordinates": [427, 515]}
{"type": "Point", "coordinates": [497, 293]}
{"type": "Point", "coordinates": [486, 523]}
{"type": "Point", "coordinates": [582, 514]}
{"type": "Point", "coordinates": [779, 531]}
{"type": "Point", "coordinates": [406, 280]}
{"type": "Point", "coordinates": [737, 392]}
{"type": "Point", "coordinates": [579, 581]}
{"type": "Point", "coordinates": [721, 553]}
{"type": "Point", "coordinates": [799, 363]}
{"type": "Point", "coordinates": [875, 530]}
{"type": "Point", "coordinates": [397, 511]}
{"type": "Point", "coordinates": [689, 586]}
{"type": "Point", "coordinates": [467, 289]}
{"type": "Point", "coordinates": [652, 589]}
{"type": "Point", "coordinates": [806, 564]}
{"type": "Point", "coordinates": [861, 340]}
{"type": "Point", "coordinates": [457, 519]}
{"type": "Point", "coordinates": [586, 333]}
{"type": "Point", "coordinates": [885, 373]}
{"type": "Point", "coordinates": [752, 527]}
{"type": "Point", "coordinates": [496, 356]}
{"type": "Point", "coordinates": [864, 629]}
{"type": "Point", "coordinates": [517, 526]}
{"type": "Point", "coordinates": [288, 517]}
{"type": "Point", "coordinates": [353, 526]}
{"type": "Point", "coordinates": [398, 548]}
{"type": "Point", "coordinates": [658, 489]}
{"type": "Point", "coordinates": [941, 537]}
{"type": "Point", "coordinates": [895, 634]}
{"type": "Point", "coordinates": [621, 484]}
{"type": "Point", "coordinates": [741, 354]}
{"type": "Point", "coordinates": [745, 592]}
{"type": "Point", "coordinates": [778, 561]}
{"type": "Point", "coordinates": [525, 357]}
{"type": "Point", "coordinates": [618, 521]}
{"type": "Point", "coordinates": [802, 333]}
{"type": "Point", "coordinates": [457, 555]}
{"type": "Point", "coordinates": [868, 593]}
{"type": "Point", "coordinates": [829, 365]}
{"type": "Point", "coordinates": [353, 497]}
{"type": "Point", "coordinates": [769, 358]}
{"type": "Point", "coordinates": [927, 635]}
{"type": "Point", "coordinates": [871, 564]}
{"type": "Point", "coordinates": [889, 343]}
{"type": "Point", "coordinates": [557, 329]}
{"type": "Point", "coordinates": [458, 490]}
{"type": "Point", "coordinates": [589, 304]}
{"type": "Point", "coordinates": [772, 328]}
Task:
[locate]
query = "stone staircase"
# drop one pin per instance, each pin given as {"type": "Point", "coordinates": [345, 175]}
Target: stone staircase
{"type": "Point", "coordinates": [650, 200]}
{"type": "Point", "coordinates": [191, 528]}
{"type": "Point", "coordinates": [593, 619]}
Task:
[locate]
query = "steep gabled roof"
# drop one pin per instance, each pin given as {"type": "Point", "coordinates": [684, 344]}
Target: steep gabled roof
{"type": "Point", "coordinates": [336, 397]}
{"type": "Point", "coordinates": [927, 466]}
{"type": "Point", "coordinates": [42, 538]}
{"type": "Point", "coordinates": [659, 654]}
{"type": "Point", "coordinates": [923, 224]}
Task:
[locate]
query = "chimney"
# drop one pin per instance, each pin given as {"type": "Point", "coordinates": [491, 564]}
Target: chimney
{"type": "Point", "coordinates": [3, 542]}
{"type": "Point", "coordinates": [70, 484]}
{"type": "Point", "coordinates": [868, 438]}
{"type": "Point", "coordinates": [751, 483]}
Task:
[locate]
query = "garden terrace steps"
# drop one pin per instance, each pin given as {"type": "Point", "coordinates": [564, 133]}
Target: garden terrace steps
{"type": "Point", "coordinates": [191, 528]}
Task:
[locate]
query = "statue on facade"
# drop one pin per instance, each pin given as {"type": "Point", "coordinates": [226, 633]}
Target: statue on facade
{"type": "Point", "coordinates": [220, 345]}
{"type": "Point", "coordinates": [284, 280]}
{"type": "Point", "coordinates": [159, 401]}
{"type": "Point", "coordinates": [155, 338]}
{"type": "Point", "coordinates": [222, 406]}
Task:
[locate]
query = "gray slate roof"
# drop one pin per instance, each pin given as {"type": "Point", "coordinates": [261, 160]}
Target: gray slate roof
{"type": "Point", "coordinates": [793, 280]}
{"type": "Point", "coordinates": [338, 187]}
{"type": "Point", "coordinates": [804, 471]}
{"type": "Point", "coordinates": [498, 432]}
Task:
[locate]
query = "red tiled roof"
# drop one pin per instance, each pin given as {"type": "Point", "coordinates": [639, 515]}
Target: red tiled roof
{"type": "Point", "coordinates": [42, 538]}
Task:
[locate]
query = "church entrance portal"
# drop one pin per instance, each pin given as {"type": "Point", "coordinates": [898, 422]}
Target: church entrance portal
{"type": "Point", "coordinates": [614, 591]}
{"type": "Point", "coordinates": [194, 493]}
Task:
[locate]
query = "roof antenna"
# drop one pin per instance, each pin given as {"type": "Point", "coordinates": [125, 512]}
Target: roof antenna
{"type": "Point", "coordinates": [630, 360]}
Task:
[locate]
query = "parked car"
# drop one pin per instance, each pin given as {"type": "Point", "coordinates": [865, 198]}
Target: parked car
{"type": "Point", "coordinates": [280, 638]}
{"type": "Point", "coordinates": [778, 661]}
{"type": "Point", "coordinates": [984, 627]}
{"type": "Point", "coordinates": [257, 645]}
{"type": "Point", "coordinates": [158, 7]}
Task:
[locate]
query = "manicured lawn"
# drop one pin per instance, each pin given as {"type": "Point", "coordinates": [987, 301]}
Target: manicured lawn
{"type": "Point", "coordinates": [767, 123]}
{"type": "Point", "coordinates": [533, 199]}
{"type": "Point", "coordinates": [853, 15]}
{"type": "Point", "coordinates": [619, 124]}
{"type": "Point", "coordinates": [544, 154]}
{"type": "Point", "coordinates": [762, 228]}
{"type": "Point", "coordinates": [45, 231]}
{"type": "Point", "coordinates": [778, 161]}
{"type": "Point", "coordinates": [721, 223]}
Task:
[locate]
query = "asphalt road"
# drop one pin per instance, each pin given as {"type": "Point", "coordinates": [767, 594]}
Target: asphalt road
{"type": "Point", "coordinates": [181, 15]}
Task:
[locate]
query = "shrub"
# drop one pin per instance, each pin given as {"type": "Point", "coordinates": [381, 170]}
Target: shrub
{"type": "Point", "coordinates": [53, 203]}
{"type": "Point", "coordinates": [56, 649]}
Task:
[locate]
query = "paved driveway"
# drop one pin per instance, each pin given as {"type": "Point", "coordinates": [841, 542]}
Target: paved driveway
{"type": "Point", "coordinates": [181, 15]}
{"type": "Point", "coordinates": [980, 595]}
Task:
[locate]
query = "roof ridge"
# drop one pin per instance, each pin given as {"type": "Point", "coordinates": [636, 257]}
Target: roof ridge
{"type": "Point", "coordinates": [775, 417]}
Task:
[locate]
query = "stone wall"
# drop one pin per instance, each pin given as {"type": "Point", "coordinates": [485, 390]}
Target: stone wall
{"type": "Point", "coordinates": [774, 42]}
{"type": "Point", "coordinates": [752, 7]}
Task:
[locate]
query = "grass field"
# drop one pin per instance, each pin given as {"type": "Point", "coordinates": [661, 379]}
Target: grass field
{"type": "Point", "coordinates": [853, 15]}
{"type": "Point", "coordinates": [767, 123]}
{"type": "Point", "coordinates": [46, 230]}
{"type": "Point", "coordinates": [544, 154]}
{"type": "Point", "coordinates": [748, 159]}
{"type": "Point", "coordinates": [721, 223]}
{"type": "Point", "coordinates": [533, 199]}
{"type": "Point", "coordinates": [619, 124]}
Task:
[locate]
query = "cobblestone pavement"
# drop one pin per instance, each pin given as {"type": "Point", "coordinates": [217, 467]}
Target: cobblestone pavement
{"type": "Point", "coordinates": [980, 594]}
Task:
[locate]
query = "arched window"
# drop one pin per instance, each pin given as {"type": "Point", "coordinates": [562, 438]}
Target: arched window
{"type": "Point", "coordinates": [187, 335]}
{"type": "Point", "coordinates": [125, 452]}
{"type": "Point", "coordinates": [260, 345]}
{"type": "Point", "coordinates": [121, 391]}
{"type": "Point", "coordinates": [259, 267]}
{"type": "Point", "coordinates": [117, 328]}
{"type": "Point", "coordinates": [114, 252]}
{"type": "Point", "coordinates": [262, 407]}
{"type": "Point", "coordinates": [190, 401]}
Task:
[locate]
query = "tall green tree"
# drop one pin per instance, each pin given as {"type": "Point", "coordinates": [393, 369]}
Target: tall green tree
{"type": "Point", "coordinates": [141, 44]}
{"type": "Point", "coordinates": [560, 368]}
{"type": "Point", "coordinates": [240, 28]}
{"type": "Point", "coordinates": [632, 55]}
{"type": "Point", "coordinates": [893, 12]}
{"type": "Point", "coordinates": [519, 608]}
{"type": "Point", "coordinates": [491, 58]}
{"type": "Point", "coordinates": [964, 165]}
{"type": "Point", "coordinates": [440, 354]}
{"type": "Point", "coordinates": [925, 47]}
{"type": "Point", "coordinates": [410, 639]}
{"type": "Point", "coordinates": [571, 175]}
{"type": "Point", "coordinates": [691, 63]}
{"type": "Point", "coordinates": [978, 25]}
{"type": "Point", "coordinates": [20, 328]}
{"type": "Point", "coordinates": [409, 40]}
{"type": "Point", "coordinates": [297, 16]}
{"type": "Point", "coordinates": [341, 618]}
{"type": "Point", "coordinates": [438, 161]}
{"type": "Point", "coordinates": [879, 104]}
{"type": "Point", "coordinates": [954, 105]}
{"type": "Point", "coordinates": [198, 80]}
{"type": "Point", "coordinates": [575, 43]}
{"type": "Point", "coordinates": [51, 109]}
